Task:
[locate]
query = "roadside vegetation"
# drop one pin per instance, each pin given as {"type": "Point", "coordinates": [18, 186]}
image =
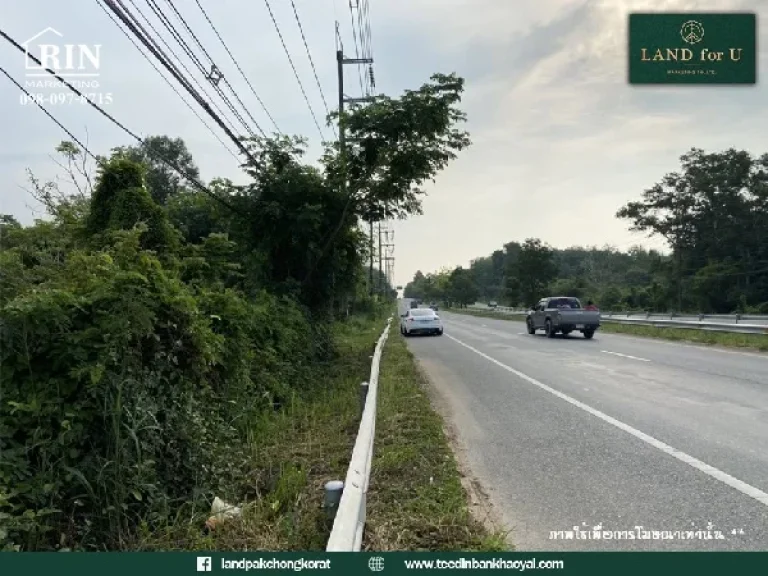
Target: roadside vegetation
{"type": "Point", "coordinates": [752, 341]}
{"type": "Point", "coordinates": [165, 341]}
{"type": "Point", "coordinates": [290, 455]}
{"type": "Point", "coordinates": [713, 215]}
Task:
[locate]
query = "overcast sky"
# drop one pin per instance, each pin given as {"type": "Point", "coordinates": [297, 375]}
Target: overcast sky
{"type": "Point", "coordinates": [560, 140]}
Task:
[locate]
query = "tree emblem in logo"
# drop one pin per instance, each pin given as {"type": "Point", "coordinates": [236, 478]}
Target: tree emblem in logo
{"type": "Point", "coordinates": [692, 32]}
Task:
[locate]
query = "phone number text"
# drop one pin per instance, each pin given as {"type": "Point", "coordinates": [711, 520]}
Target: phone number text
{"type": "Point", "coordinates": [60, 98]}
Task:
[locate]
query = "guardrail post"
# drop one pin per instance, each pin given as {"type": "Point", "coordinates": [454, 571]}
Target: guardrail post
{"type": "Point", "coordinates": [363, 396]}
{"type": "Point", "coordinates": [333, 490]}
{"type": "Point", "coordinates": [738, 317]}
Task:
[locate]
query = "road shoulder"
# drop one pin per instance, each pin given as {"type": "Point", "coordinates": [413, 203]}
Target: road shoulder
{"type": "Point", "coordinates": [421, 496]}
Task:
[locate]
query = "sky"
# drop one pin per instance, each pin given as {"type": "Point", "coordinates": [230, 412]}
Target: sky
{"type": "Point", "coordinates": [560, 139]}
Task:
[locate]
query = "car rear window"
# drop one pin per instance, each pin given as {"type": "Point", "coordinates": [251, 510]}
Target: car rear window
{"type": "Point", "coordinates": [422, 312]}
{"type": "Point", "coordinates": [564, 303]}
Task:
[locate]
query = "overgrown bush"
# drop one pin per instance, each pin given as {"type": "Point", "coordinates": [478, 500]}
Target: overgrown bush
{"type": "Point", "coordinates": [123, 390]}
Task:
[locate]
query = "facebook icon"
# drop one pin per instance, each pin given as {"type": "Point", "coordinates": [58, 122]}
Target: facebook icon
{"type": "Point", "coordinates": [204, 564]}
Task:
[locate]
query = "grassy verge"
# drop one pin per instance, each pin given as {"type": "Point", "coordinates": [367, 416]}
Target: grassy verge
{"type": "Point", "coordinates": [416, 499]}
{"type": "Point", "coordinates": [751, 341]}
{"type": "Point", "coordinates": [295, 451]}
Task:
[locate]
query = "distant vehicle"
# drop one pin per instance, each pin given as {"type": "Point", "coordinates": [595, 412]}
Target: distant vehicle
{"type": "Point", "coordinates": [562, 314]}
{"type": "Point", "coordinates": [492, 304]}
{"type": "Point", "coordinates": [433, 306]}
{"type": "Point", "coordinates": [421, 321]}
{"type": "Point", "coordinates": [414, 303]}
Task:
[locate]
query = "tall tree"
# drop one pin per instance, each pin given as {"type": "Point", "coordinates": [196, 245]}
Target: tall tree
{"type": "Point", "coordinates": [400, 144]}
{"type": "Point", "coordinates": [158, 154]}
{"type": "Point", "coordinates": [534, 269]}
{"type": "Point", "coordinates": [462, 289]}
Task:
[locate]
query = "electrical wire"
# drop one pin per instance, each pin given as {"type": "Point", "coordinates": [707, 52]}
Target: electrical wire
{"type": "Point", "coordinates": [357, 49]}
{"type": "Point", "coordinates": [201, 68]}
{"type": "Point", "coordinates": [295, 73]}
{"type": "Point", "coordinates": [312, 63]}
{"type": "Point", "coordinates": [213, 64]}
{"type": "Point", "coordinates": [237, 65]}
{"type": "Point", "coordinates": [51, 116]}
{"type": "Point", "coordinates": [179, 77]}
{"type": "Point", "coordinates": [194, 181]}
{"type": "Point", "coordinates": [170, 84]}
{"type": "Point", "coordinates": [165, 60]}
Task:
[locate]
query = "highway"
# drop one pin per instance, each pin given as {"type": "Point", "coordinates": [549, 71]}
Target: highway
{"type": "Point", "coordinates": [617, 432]}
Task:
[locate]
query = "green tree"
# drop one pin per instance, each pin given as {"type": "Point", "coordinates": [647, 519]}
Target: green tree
{"type": "Point", "coordinates": [120, 202]}
{"type": "Point", "coordinates": [534, 270]}
{"type": "Point", "coordinates": [159, 154]}
{"type": "Point", "coordinates": [462, 288]}
{"type": "Point", "coordinates": [714, 214]}
{"type": "Point", "coordinates": [400, 143]}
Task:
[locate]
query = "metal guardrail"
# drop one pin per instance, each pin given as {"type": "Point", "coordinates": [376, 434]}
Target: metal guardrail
{"type": "Point", "coordinates": [349, 521]}
{"type": "Point", "coordinates": [731, 323]}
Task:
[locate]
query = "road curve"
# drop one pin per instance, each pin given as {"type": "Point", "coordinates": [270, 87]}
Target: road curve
{"type": "Point", "coordinates": [617, 432]}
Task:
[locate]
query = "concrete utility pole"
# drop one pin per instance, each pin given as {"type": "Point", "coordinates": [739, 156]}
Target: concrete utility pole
{"type": "Point", "coordinates": [381, 269]}
{"type": "Point", "coordinates": [341, 61]}
{"type": "Point", "coordinates": [386, 255]}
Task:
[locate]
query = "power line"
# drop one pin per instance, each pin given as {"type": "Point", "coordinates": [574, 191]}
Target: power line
{"type": "Point", "coordinates": [170, 84]}
{"type": "Point", "coordinates": [178, 77]}
{"type": "Point", "coordinates": [164, 59]}
{"type": "Point", "coordinates": [51, 116]}
{"type": "Point", "coordinates": [363, 11]}
{"type": "Point", "coordinates": [312, 63]}
{"type": "Point", "coordinates": [357, 51]}
{"type": "Point", "coordinates": [295, 73]}
{"type": "Point", "coordinates": [109, 116]}
{"type": "Point", "coordinates": [185, 47]}
{"type": "Point", "coordinates": [238, 66]}
{"type": "Point", "coordinates": [213, 65]}
{"type": "Point", "coordinates": [171, 165]}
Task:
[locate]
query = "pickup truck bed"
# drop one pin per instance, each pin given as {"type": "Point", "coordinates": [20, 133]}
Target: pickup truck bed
{"type": "Point", "coordinates": [564, 319]}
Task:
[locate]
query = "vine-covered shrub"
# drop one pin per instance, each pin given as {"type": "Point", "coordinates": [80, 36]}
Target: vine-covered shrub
{"type": "Point", "coordinates": [129, 383]}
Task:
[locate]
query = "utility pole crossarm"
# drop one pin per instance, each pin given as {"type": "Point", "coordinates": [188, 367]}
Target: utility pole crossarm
{"type": "Point", "coordinates": [356, 60]}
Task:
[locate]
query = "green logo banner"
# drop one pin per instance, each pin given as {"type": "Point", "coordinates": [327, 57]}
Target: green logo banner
{"type": "Point", "coordinates": [689, 48]}
{"type": "Point", "coordinates": [383, 564]}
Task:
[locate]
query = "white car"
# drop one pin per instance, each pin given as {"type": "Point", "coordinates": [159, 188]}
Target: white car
{"type": "Point", "coordinates": [421, 321]}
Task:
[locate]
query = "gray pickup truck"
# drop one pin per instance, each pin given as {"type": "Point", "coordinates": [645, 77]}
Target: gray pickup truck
{"type": "Point", "coordinates": [562, 314]}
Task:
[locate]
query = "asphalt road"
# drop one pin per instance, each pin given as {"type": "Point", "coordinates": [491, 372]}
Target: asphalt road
{"type": "Point", "coordinates": [618, 432]}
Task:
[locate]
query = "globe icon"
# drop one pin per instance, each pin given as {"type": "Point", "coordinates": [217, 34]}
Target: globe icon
{"type": "Point", "coordinates": [376, 564]}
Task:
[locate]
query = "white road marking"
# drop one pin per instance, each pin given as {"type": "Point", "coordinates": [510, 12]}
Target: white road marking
{"type": "Point", "coordinates": [625, 356]}
{"type": "Point", "coordinates": [711, 471]}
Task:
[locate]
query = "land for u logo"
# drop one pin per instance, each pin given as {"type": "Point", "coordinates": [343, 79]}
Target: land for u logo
{"type": "Point", "coordinates": [708, 48]}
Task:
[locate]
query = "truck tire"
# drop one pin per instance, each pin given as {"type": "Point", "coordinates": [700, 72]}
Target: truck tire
{"type": "Point", "coordinates": [588, 334]}
{"type": "Point", "coordinates": [549, 329]}
{"type": "Point", "coordinates": [529, 325]}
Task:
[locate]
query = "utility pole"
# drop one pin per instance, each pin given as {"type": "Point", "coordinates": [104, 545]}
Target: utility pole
{"type": "Point", "coordinates": [370, 266]}
{"type": "Point", "coordinates": [341, 61]}
{"type": "Point", "coordinates": [379, 282]}
{"type": "Point", "coordinates": [386, 255]}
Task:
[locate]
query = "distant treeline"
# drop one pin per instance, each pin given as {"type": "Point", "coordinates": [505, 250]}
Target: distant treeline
{"type": "Point", "coordinates": [713, 213]}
